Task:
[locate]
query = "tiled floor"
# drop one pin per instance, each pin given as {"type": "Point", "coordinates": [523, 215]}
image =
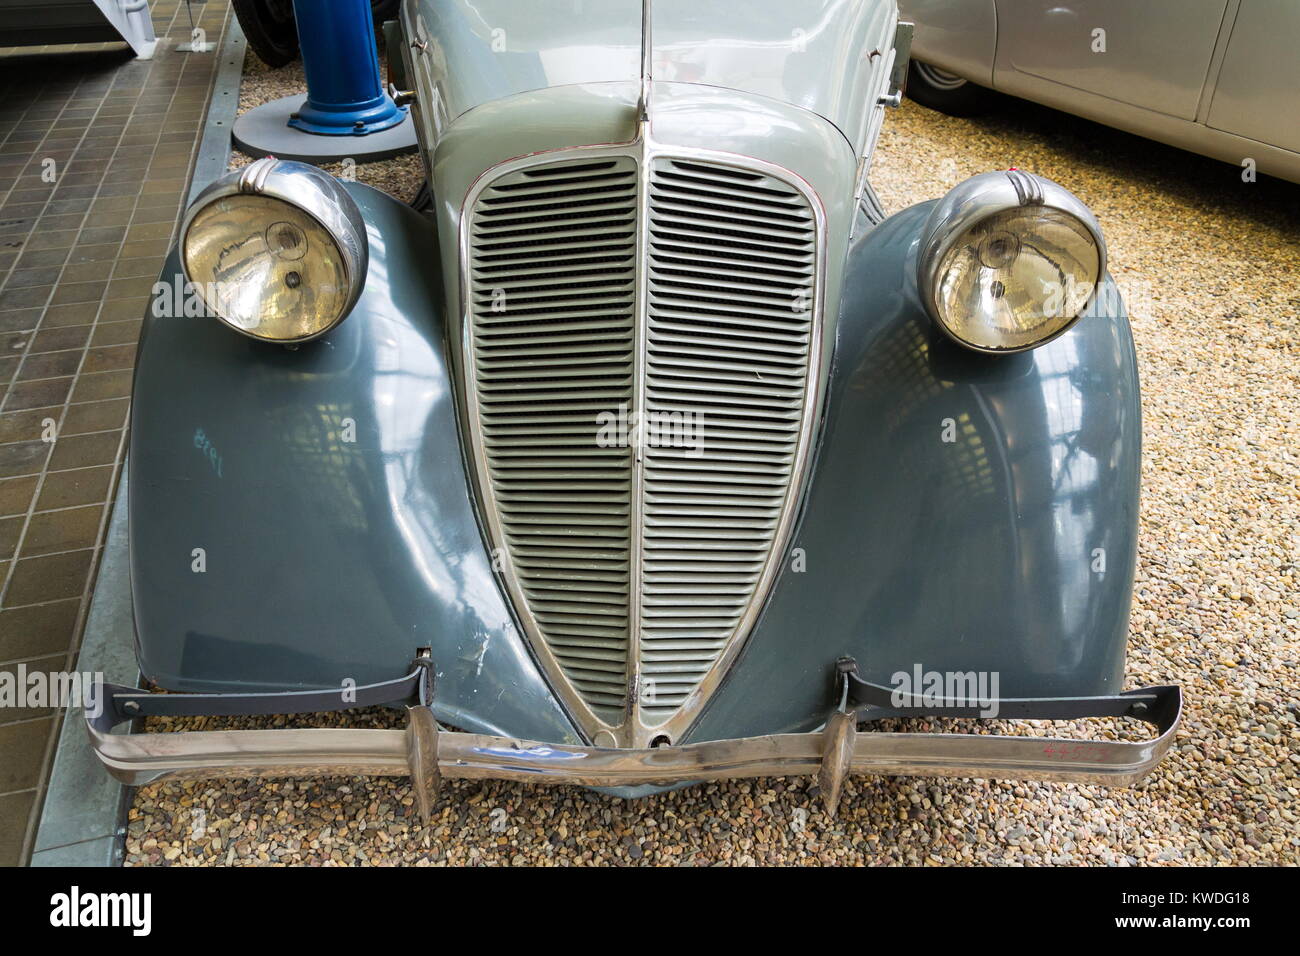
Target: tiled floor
{"type": "Point", "coordinates": [96, 149]}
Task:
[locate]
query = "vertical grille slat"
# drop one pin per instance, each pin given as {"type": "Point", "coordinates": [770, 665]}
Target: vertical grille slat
{"type": "Point", "coordinates": [640, 571]}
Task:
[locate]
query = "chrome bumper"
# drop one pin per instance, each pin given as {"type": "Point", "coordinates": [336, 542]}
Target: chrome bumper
{"type": "Point", "coordinates": [426, 753]}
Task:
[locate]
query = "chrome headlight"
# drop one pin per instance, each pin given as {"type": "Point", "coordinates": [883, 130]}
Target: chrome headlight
{"type": "Point", "coordinates": [276, 250]}
{"type": "Point", "coordinates": [1008, 261]}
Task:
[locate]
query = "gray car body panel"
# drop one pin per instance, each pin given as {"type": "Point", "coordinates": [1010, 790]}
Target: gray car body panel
{"type": "Point", "coordinates": [807, 54]}
{"type": "Point", "coordinates": [959, 35]}
{"type": "Point", "coordinates": [1216, 77]}
{"type": "Point", "coordinates": [329, 560]}
{"type": "Point", "coordinates": [1257, 92]}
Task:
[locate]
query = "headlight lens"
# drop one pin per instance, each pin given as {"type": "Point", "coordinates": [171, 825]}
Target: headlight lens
{"type": "Point", "coordinates": [1009, 261]}
{"type": "Point", "coordinates": [277, 251]}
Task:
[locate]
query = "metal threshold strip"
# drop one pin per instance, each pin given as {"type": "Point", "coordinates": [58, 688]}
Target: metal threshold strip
{"type": "Point", "coordinates": [426, 753]}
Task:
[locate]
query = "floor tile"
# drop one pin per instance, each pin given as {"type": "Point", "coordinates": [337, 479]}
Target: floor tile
{"type": "Point", "coordinates": [95, 416]}
{"type": "Point", "coordinates": [15, 810]}
{"type": "Point", "coordinates": [60, 338]}
{"type": "Point", "coordinates": [50, 391]}
{"type": "Point", "coordinates": [38, 629]}
{"type": "Point", "coordinates": [45, 365]}
{"type": "Point", "coordinates": [23, 746]}
{"type": "Point", "coordinates": [68, 530]}
{"type": "Point", "coordinates": [16, 494]}
{"type": "Point", "coordinates": [23, 458]}
{"type": "Point", "coordinates": [101, 385]}
{"type": "Point", "coordinates": [65, 489]}
{"type": "Point", "coordinates": [82, 451]}
{"type": "Point", "coordinates": [47, 578]}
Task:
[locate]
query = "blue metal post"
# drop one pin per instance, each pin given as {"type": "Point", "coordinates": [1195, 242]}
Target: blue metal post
{"type": "Point", "coordinates": [345, 95]}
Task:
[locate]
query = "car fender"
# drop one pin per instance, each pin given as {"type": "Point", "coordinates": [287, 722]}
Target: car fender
{"type": "Point", "coordinates": [301, 518]}
{"type": "Point", "coordinates": [965, 512]}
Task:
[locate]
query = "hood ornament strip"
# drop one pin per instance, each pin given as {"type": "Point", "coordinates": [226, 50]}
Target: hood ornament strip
{"type": "Point", "coordinates": [647, 66]}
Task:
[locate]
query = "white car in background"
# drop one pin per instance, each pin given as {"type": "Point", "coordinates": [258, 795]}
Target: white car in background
{"type": "Point", "coordinates": [1218, 77]}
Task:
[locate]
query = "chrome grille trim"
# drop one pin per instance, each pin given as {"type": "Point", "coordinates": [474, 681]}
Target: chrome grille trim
{"type": "Point", "coordinates": [754, 229]}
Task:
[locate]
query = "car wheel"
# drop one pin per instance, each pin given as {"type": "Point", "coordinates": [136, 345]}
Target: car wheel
{"type": "Point", "coordinates": [270, 29]}
{"type": "Point", "coordinates": [944, 91]}
{"type": "Point", "coordinates": [273, 34]}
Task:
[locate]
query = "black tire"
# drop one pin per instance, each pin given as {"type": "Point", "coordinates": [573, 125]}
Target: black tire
{"type": "Point", "coordinates": [944, 91]}
{"type": "Point", "coordinates": [270, 29]}
{"type": "Point", "coordinates": [273, 34]}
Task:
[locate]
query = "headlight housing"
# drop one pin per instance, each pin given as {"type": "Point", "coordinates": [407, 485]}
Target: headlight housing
{"type": "Point", "coordinates": [277, 250]}
{"type": "Point", "coordinates": [1008, 261]}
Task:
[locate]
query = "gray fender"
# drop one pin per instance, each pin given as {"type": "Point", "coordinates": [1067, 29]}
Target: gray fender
{"type": "Point", "coordinates": [1010, 549]}
{"type": "Point", "coordinates": [301, 518]}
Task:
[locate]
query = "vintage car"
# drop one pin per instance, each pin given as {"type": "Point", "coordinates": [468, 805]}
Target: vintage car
{"type": "Point", "coordinates": [1218, 77]}
{"type": "Point", "coordinates": [654, 453]}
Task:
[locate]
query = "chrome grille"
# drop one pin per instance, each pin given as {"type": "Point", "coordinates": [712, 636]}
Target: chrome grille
{"type": "Point", "coordinates": [732, 265]}
{"type": "Point", "coordinates": [553, 284]}
{"type": "Point", "coordinates": [639, 570]}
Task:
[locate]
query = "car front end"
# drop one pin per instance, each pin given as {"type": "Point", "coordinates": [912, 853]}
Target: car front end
{"type": "Point", "coordinates": [650, 455]}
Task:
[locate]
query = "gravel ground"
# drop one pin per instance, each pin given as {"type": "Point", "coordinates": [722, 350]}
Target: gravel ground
{"type": "Point", "coordinates": [1209, 266]}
